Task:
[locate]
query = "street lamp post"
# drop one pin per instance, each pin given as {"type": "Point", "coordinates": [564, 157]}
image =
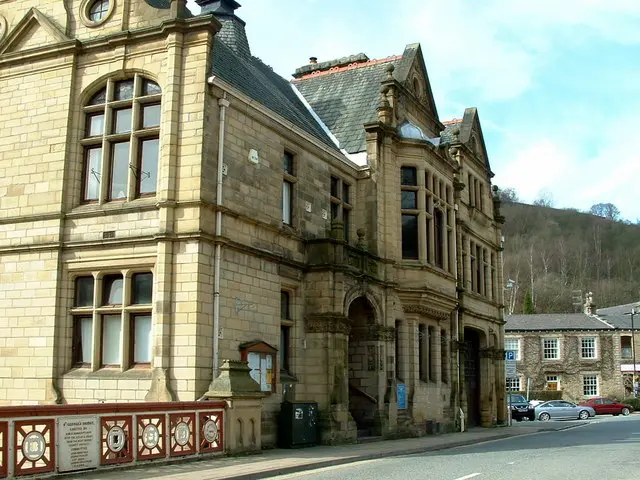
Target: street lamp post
{"type": "Point", "coordinates": [633, 350]}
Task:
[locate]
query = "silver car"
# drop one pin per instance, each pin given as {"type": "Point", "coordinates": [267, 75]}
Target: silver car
{"type": "Point", "coordinates": [562, 410]}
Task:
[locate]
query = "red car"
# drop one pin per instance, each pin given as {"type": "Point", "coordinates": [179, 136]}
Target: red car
{"type": "Point", "coordinates": [608, 406]}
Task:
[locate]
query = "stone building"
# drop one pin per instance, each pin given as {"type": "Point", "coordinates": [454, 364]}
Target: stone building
{"type": "Point", "coordinates": [584, 355]}
{"type": "Point", "coordinates": [168, 203]}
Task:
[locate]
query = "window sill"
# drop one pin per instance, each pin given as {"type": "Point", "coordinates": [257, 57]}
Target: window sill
{"type": "Point", "coordinates": [141, 373]}
{"type": "Point", "coordinates": [115, 206]}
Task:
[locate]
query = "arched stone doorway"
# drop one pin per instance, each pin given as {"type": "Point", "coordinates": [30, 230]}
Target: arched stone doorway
{"type": "Point", "coordinates": [365, 361]}
{"type": "Point", "coordinates": [472, 375]}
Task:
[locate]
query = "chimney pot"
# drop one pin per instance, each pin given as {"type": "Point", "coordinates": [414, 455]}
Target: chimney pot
{"type": "Point", "coordinates": [313, 60]}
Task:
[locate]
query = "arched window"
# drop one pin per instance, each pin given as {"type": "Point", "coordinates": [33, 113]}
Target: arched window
{"type": "Point", "coordinates": [121, 141]}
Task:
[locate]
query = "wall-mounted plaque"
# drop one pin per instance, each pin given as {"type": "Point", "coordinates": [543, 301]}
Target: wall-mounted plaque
{"type": "Point", "coordinates": [78, 443]}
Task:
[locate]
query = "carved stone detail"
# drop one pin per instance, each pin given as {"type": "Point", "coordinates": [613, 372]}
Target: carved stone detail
{"type": "Point", "coordinates": [327, 323]}
{"type": "Point", "coordinates": [425, 311]}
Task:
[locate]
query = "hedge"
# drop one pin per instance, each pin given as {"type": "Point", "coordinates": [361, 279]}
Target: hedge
{"type": "Point", "coordinates": [543, 395]}
{"type": "Point", "coordinates": [634, 402]}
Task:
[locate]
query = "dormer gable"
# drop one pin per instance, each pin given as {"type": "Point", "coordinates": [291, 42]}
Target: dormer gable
{"type": "Point", "coordinates": [411, 73]}
{"type": "Point", "coordinates": [35, 30]}
{"type": "Point", "coordinates": [471, 136]}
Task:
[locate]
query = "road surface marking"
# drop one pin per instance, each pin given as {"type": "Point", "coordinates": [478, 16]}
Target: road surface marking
{"type": "Point", "coordinates": [468, 476]}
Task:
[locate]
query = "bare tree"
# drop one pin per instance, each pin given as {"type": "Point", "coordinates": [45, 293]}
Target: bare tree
{"type": "Point", "coordinates": [605, 210]}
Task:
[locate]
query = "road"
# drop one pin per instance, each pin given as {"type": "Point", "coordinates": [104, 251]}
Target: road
{"type": "Point", "coordinates": [607, 448]}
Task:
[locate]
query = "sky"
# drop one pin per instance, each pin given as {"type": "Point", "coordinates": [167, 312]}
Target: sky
{"type": "Point", "coordinates": [556, 82]}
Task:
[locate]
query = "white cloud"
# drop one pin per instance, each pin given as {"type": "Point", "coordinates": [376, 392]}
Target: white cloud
{"type": "Point", "coordinates": [490, 52]}
{"type": "Point", "coordinates": [578, 177]}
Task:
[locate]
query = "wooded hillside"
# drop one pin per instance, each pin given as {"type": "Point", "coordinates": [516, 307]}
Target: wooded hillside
{"type": "Point", "coordinates": [557, 255]}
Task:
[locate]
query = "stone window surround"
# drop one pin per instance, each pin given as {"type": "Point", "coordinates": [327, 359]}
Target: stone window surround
{"type": "Point", "coordinates": [517, 349]}
{"type": "Point", "coordinates": [289, 181]}
{"type": "Point", "coordinates": [476, 192]}
{"type": "Point", "coordinates": [558, 349]}
{"type": "Point", "coordinates": [428, 340]}
{"type": "Point", "coordinates": [594, 347]}
{"type": "Point", "coordinates": [433, 194]}
{"type": "Point", "coordinates": [107, 141]}
{"type": "Point", "coordinates": [3, 27]}
{"type": "Point", "coordinates": [479, 276]}
{"type": "Point", "coordinates": [444, 355]}
{"type": "Point", "coordinates": [587, 377]}
{"type": "Point", "coordinates": [127, 311]}
{"type": "Point", "coordinates": [289, 324]}
{"type": "Point", "coordinates": [86, 5]}
{"type": "Point", "coordinates": [341, 204]}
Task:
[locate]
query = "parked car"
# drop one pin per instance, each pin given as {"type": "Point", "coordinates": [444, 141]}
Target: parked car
{"type": "Point", "coordinates": [562, 410]}
{"type": "Point", "coordinates": [608, 406]}
{"type": "Point", "coordinates": [520, 408]}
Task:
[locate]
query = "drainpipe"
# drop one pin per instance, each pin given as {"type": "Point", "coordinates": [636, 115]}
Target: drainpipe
{"type": "Point", "coordinates": [223, 103]}
{"type": "Point", "coordinates": [457, 319]}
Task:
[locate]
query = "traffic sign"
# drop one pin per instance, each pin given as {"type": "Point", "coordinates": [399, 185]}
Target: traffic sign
{"type": "Point", "coordinates": [510, 364]}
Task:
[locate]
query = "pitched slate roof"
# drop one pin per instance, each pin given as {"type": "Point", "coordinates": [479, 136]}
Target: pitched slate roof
{"type": "Point", "coordinates": [554, 321]}
{"type": "Point", "coordinates": [619, 317]}
{"type": "Point", "coordinates": [448, 135]}
{"type": "Point", "coordinates": [233, 63]}
{"type": "Point", "coordinates": [347, 97]}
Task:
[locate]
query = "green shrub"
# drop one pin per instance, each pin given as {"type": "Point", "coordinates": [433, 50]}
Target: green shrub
{"type": "Point", "coordinates": [634, 402]}
{"type": "Point", "coordinates": [544, 395]}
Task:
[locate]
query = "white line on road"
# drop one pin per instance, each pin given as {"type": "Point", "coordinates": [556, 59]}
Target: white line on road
{"type": "Point", "coordinates": [468, 476]}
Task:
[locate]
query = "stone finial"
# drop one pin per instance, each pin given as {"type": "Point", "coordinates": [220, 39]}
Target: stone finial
{"type": "Point", "coordinates": [362, 244]}
{"type": "Point", "coordinates": [389, 69]}
{"type": "Point", "coordinates": [385, 112]}
{"type": "Point", "coordinates": [497, 203]}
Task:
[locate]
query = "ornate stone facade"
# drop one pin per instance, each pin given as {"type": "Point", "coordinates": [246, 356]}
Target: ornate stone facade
{"type": "Point", "coordinates": [158, 212]}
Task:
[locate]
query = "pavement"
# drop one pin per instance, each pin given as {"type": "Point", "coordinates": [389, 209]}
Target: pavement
{"type": "Point", "coordinates": [270, 463]}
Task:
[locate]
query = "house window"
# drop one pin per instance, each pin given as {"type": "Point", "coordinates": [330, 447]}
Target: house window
{"type": "Point", "coordinates": [438, 243]}
{"type": "Point", "coordinates": [341, 203]}
{"type": "Point", "coordinates": [427, 218]}
{"type": "Point", "coordinates": [588, 347]}
{"type": "Point", "coordinates": [513, 384]}
{"type": "Point", "coordinates": [590, 385]}
{"type": "Point", "coordinates": [431, 332]}
{"type": "Point", "coordinates": [626, 350]}
{"type": "Point", "coordinates": [550, 349]}
{"type": "Point", "coordinates": [552, 382]}
{"type": "Point", "coordinates": [286, 324]}
{"type": "Point", "coordinates": [398, 346]}
{"type": "Point", "coordinates": [122, 141]}
{"type": "Point", "coordinates": [98, 338]}
{"type": "Point", "coordinates": [513, 344]}
{"type": "Point", "coordinates": [423, 352]}
{"type": "Point", "coordinates": [444, 356]}
{"type": "Point", "coordinates": [409, 206]}
{"type": "Point", "coordinates": [287, 188]}
{"type": "Point", "coordinates": [98, 10]}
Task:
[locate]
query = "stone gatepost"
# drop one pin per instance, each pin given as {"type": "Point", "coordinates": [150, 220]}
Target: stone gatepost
{"type": "Point", "coordinates": [243, 415]}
